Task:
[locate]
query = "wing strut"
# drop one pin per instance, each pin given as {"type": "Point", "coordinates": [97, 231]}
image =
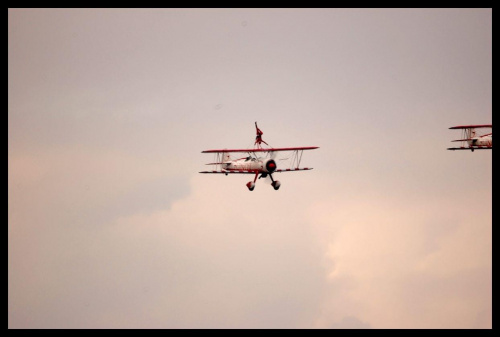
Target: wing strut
{"type": "Point", "coordinates": [296, 158]}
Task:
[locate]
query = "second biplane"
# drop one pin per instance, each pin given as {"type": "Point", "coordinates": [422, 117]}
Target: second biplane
{"type": "Point", "coordinates": [258, 161]}
{"type": "Point", "coordinates": [471, 140]}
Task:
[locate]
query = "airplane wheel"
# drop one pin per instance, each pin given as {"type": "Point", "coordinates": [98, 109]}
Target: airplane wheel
{"type": "Point", "coordinates": [276, 185]}
{"type": "Point", "coordinates": [251, 185]}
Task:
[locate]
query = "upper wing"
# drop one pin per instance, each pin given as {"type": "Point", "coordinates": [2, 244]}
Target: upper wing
{"type": "Point", "coordinates": [472, 126]}
{"type": "Point", "coordinates": [275, 149]}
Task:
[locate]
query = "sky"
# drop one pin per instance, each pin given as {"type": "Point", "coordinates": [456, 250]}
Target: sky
{"type": "Point", "coordinates": [110, 225]}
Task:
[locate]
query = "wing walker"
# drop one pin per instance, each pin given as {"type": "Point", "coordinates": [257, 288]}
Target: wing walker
{"type": "Point", "coordinates": [259, 161]}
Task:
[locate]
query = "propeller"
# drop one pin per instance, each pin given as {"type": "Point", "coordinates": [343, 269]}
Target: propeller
{"type": "Point", "coordinates": [271, 166]}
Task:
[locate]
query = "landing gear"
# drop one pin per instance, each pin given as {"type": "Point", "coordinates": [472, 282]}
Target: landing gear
{"type": "Point", "coordinates": [251, 184]}
{"type": "Point", "coordinates": [275, 183]}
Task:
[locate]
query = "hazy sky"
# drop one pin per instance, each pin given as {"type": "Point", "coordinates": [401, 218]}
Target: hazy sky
{"type": "Point", "coordinates": [112, 226]}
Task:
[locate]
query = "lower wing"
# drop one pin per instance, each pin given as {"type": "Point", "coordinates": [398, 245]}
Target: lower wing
{"type": "Point", "coordinates": [471, 148]}
{"type": "Point", "coordinates": [253, 172]}
{"type": "Point", "coordinates": [230, 172]}
{"type": "Point", "coordinates": [294, 169]}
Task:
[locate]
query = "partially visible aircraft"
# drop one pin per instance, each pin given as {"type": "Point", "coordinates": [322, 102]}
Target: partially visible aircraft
{"type": "Point", "coordinates": [471, 140]}
{"type": "Point", "coordinates": [259, 160]}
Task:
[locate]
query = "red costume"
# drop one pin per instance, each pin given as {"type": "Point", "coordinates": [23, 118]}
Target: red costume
{"type": "Point", "coordinates": [258, 139]}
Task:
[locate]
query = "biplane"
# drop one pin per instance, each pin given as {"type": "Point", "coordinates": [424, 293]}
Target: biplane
{"type": "Point", "coordinates": [259, 161]}
{"type": "Point", "coordinates": [471, 140]}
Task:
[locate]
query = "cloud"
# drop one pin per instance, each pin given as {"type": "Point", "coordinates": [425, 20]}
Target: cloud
{"type": "Point", "coordinates": [210, 260]}
{"type": "Point", "coordinates": [222, 256]}
{"type": "Point", "coordinates": [61, 204]}
{"type": "Point", "coordinates": [398, 264]}
{"type": "Point", "coordinates": [350, 323]}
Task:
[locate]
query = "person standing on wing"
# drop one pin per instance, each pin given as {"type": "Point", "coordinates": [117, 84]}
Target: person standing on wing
{"type": "Point", "coordinates": [258, 139]}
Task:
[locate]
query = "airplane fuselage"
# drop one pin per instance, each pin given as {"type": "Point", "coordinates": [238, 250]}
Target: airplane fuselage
{"type": "Point", "coordinates": [485, 140]}
{"type": "Point", "coordinates": [251, 164]}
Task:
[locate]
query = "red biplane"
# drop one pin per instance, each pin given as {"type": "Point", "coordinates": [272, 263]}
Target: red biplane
{"type": "Point", "coordinates": [259, 161]}
{"type": "Point", "coordinates": [473, 141]}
